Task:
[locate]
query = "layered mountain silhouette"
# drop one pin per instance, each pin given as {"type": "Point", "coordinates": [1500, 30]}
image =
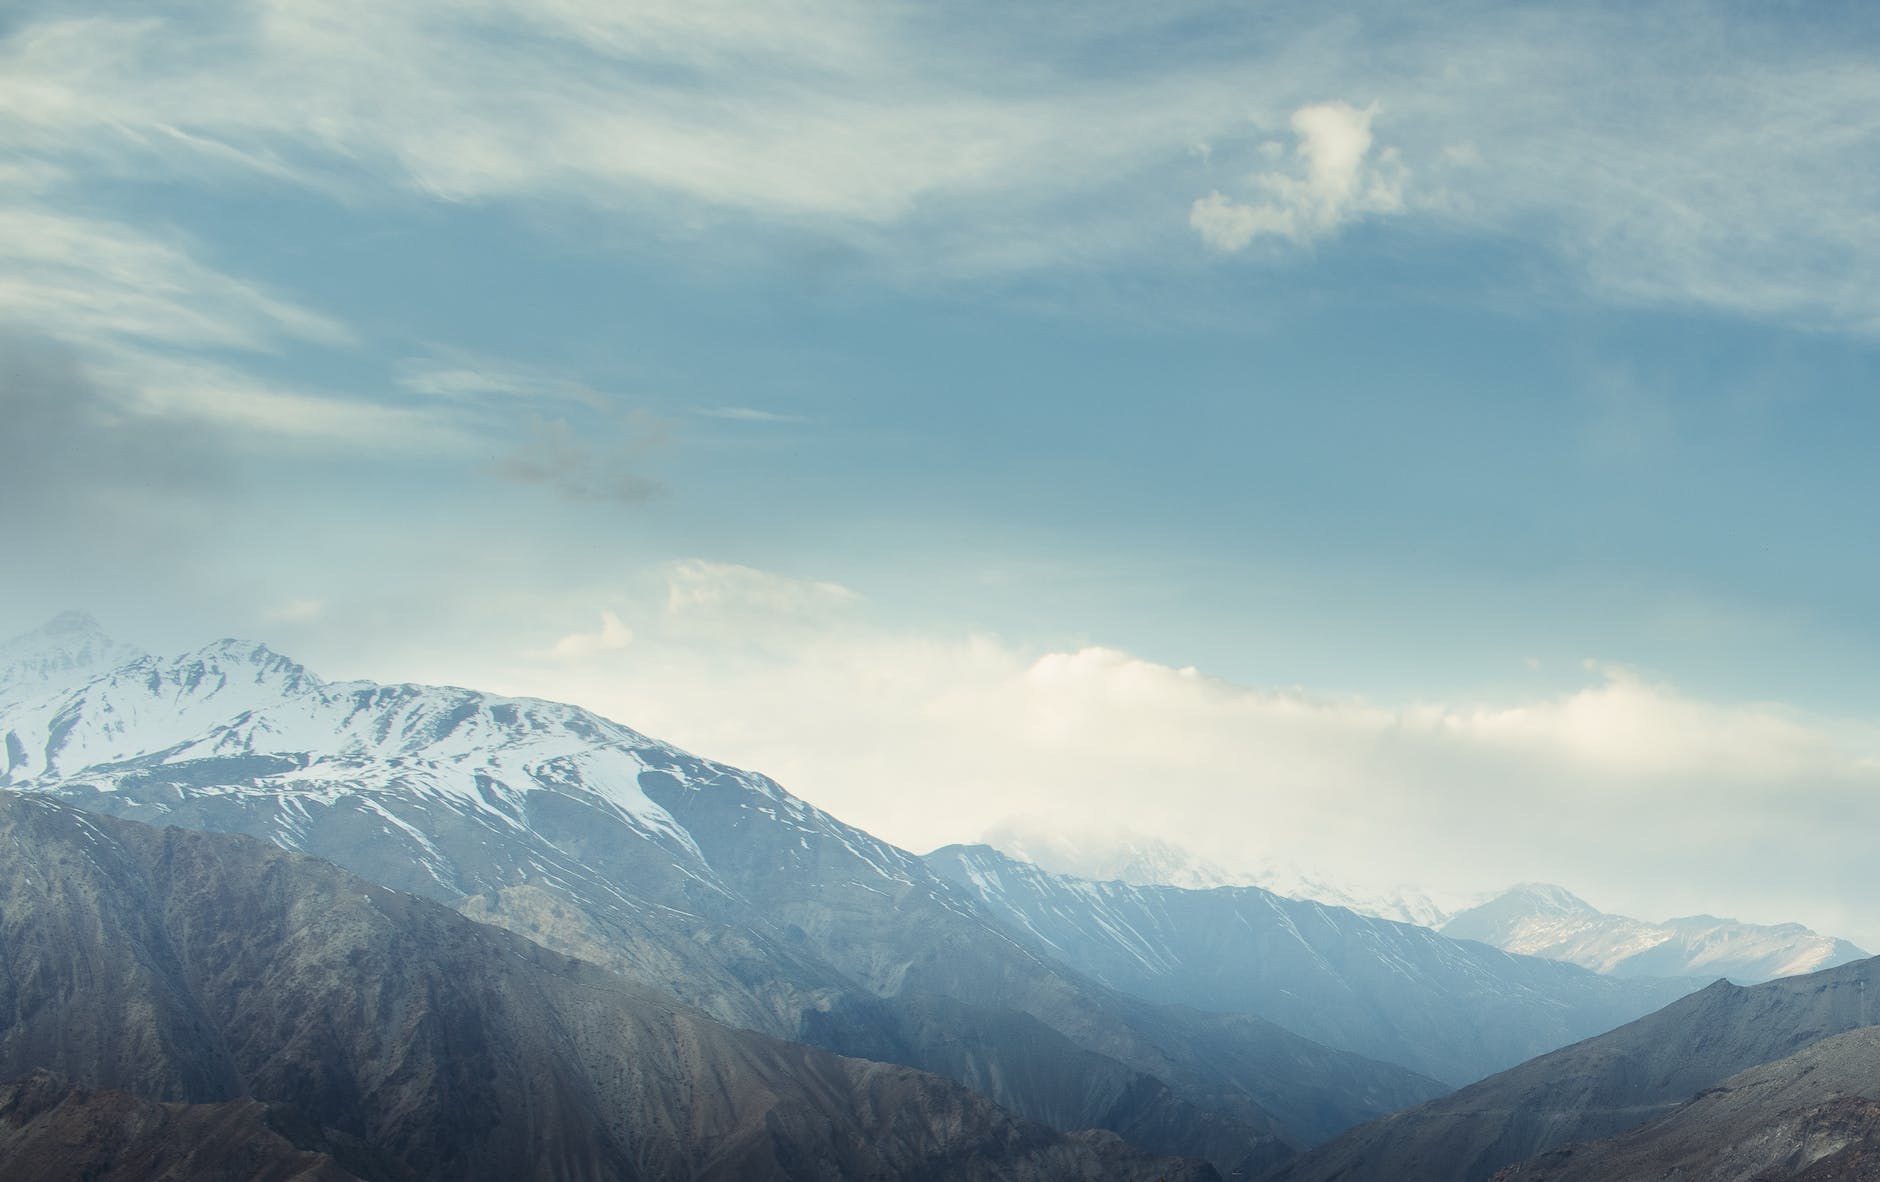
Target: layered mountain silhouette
{"type": "Point", "coordinates": [1171, 1019]}
{"type": "Point", "coordinates": [691, 877]}
{"type": "Point", "coordinates": [204, 1000]}
{"type": "Point", "coordinates": [1605, 1085]}
{"type": "Point", "coordinates": [1452, 1009]}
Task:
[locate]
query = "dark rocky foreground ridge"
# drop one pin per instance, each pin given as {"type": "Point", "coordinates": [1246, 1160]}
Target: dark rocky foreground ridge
{"type": "Point", "coordinates": [212, 991]}
{"type": "Point", "coordinates": [52, 1131]}
{"type": "Point", "coordinates": [1607, 1085]}
{"type": "Point", "coordinates": [1811, 1117]}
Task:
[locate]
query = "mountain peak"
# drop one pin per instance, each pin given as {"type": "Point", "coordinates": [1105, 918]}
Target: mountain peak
{"type": "Point", "coordinates": [235, 659]}
{"type": "Point", "coordinates": [70, 623]}
{"type": "Point", "coordinates": [66, 628]}
{"type": "Point", "coordinates": [70, 646]}
{"type": "Point", "coordinates": [1546, 897]}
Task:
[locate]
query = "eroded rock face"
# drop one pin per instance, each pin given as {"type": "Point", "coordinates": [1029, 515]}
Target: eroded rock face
{"type": "Point", "coordinates": [205, 969]}
{"type": "Point", "coordinates": [1814, 1115]}
{"type": "Point", "coordinates": [52, 1131]}
{"type": "Point", "coordinates": [1603, 1086]}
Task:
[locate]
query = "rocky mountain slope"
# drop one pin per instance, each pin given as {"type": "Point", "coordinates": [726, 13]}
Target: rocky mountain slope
{"type": "Point", "coordinates": [1541, 920]}
{"type": "Point", "coordinates": [52, 1131]}
{"type": "Point", "coordinates": [1451, 1009]}
{"type": "Point", "coordinates": [689, 876]}
{"type": "Point", "coordinates": [1602, 1086]}
{"type": "Point", "coordinates": [207, 969]}
{"type": "Point", "coordinates": [1812, 1116]}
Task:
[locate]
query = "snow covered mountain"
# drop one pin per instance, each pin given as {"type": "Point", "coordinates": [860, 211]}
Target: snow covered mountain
{"type": "Point", "coordinates": [1536, 919]}
{"type": "Point", "coordinates": [1452, 1009]}
{"type": "Point", "coordinates": [1118, 855]}
{"type": "Point", "coordinates": [64, 653]}
{"type": "Point", "coordinates": [701, 879]}
{"type": "Point", "coordinates": [1531, 919]}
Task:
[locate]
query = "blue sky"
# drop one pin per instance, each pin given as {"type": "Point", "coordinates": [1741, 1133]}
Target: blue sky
{"type": "Point", "coordinates": [1466, 368]}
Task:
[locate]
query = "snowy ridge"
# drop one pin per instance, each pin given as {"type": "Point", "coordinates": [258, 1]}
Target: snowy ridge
{"type": "Point", "coordinates": [63, 653]}
{"type": "Point", "coordinates": [236, 721]}
{"type": "Point", "coordinates": [1537, 919]}
{"type": "Point", "coordinates": [521, 811]}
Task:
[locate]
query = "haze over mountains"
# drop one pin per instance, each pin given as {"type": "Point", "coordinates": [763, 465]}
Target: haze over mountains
{"type": "Point", "coordinates": [1151, 861]}
{"type": "Point", "coordinates": [1454, 1010]}
{"type": "Point", "coordinates": [708, 882]}
{"type": "Point", "coordinates": [1534, 919]}
{"type": "Point", "coordinates": [1550, 921]}
{"type": "Point", "coordinates": [1231, 1025]}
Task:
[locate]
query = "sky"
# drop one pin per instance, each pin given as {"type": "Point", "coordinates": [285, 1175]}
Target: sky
{"type": "Point", "coordinates": [1425, 447]}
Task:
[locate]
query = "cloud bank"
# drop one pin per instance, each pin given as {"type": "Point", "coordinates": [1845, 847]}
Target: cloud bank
{"type": "Point", "coordinates": [1644, 799]}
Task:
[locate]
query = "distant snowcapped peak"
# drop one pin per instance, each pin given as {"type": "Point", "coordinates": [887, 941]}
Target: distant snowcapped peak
{"type": "Point", "coordinates": [1545, 896]}
{"type": "Point", "coordinates": [68, 623]}
{"type": "Point", "coordinates": [68, 648]}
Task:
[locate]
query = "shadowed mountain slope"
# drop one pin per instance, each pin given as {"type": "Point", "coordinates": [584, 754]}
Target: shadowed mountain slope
{"type": "Point", "coordinates": [1813, 1115]}
{"type": "Point", "coordinates": [207, 969]}
{"type": "Point", "coordinates": [1602, 1086]}
{"type": "Point", "coordinates": [1452, 1009]}
{"type": "Point", "coordinates": [51, 1131]}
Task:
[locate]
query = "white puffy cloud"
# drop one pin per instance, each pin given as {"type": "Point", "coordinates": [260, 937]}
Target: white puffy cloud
{"type": "Point", "coordinates": [298, 611]}
{"type": "Point", "coordinates": [1335, 179]}
{"type": "Point", "coordinates": [612, 636]}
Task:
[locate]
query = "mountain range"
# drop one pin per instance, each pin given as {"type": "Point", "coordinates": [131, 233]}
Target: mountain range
{"type": "Point", "coordinates": [1231, 1025]}
{"type": "Point", "coordinates": [704, 881]}
{"type": "Point", "coordinates": [1550, 921]}
{"type": "Point", "coordinates": [1452, 1009]}
{"type": "Point", "coordinates": [1532, 919]}
{"type": "Point", "coordinates": [255, 1013]}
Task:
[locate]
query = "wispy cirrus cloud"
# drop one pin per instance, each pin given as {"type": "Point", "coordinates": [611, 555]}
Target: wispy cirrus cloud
{"type": "Point", "coordinates": [748, 414]}
{"type": "Point", "coordinates": [97, 281]}
{"type": "Point", "coordinates": [463, 376]}
{"type": "Point", "coordinates": [1665, 154]}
